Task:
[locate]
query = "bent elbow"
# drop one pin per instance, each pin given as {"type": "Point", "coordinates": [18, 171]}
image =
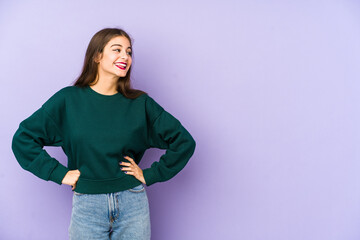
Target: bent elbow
{"type": "Point", "coordinates": [191, 145]}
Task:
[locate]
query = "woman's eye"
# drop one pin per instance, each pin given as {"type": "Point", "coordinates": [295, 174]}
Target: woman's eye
{"type": "Point", "coordinates": [119, 50]}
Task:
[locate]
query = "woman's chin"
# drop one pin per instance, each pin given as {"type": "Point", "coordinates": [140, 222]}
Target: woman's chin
{"type": "Point", "coordinates": [121, 75]}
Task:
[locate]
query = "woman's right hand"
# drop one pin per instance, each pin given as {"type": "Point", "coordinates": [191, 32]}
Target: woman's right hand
{"type": "Point", "coordinates": [71, 178]}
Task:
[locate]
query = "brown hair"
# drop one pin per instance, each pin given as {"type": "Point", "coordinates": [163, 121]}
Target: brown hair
{"type": "Point", "coordinates": [90, 67]}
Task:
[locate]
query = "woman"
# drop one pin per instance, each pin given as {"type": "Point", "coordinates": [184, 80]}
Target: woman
{"type": "Point", "coordinates": [104, 127]}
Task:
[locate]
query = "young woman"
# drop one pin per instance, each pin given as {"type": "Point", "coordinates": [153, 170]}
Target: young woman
{"type": "Point", "coordinates": [104, 127]}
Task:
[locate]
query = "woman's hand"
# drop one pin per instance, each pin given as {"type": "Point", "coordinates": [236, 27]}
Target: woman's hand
{"type": "Point", "coordinates": [133, 169]}
{"type": "Point", "coordinates": [71, 178]}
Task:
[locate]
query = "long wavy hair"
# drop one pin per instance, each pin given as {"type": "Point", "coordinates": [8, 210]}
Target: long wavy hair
{"type": "Point", "coordinates": [89, 71]}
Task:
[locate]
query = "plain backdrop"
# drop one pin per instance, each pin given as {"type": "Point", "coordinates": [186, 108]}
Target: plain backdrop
{"type": "Point", "coordinates": [268, 89]}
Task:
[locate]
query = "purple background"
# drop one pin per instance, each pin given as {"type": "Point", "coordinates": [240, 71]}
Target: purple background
{"type": "Point", "coordinates": [268, 89]}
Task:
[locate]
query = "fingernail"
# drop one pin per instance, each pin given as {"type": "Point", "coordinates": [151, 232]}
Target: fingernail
{"type": "Point", "coordinates": [125, 171]}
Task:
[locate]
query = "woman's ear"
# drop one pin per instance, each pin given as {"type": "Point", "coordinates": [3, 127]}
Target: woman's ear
{"type": "Point", "coordinates": [98, 57]}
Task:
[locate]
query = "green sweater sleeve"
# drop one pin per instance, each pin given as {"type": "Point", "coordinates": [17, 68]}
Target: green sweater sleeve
{"type": "Point", "coordinates": [166, 132]}
{"type": "Point", "coordinates": [35, 132]}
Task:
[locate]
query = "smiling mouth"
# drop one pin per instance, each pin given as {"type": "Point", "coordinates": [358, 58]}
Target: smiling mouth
{"type": "Point", "coordinates": [122, 68]}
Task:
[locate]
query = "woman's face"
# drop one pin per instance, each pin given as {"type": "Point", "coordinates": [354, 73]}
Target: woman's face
{"type": "Point", "coordinates": [116, 58]}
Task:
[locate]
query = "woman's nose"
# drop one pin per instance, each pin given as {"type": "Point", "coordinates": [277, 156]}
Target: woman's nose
{"type": "Point", "coordinates": [124, 56]}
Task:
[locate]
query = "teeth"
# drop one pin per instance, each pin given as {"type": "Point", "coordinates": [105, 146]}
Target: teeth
{"type": "Point", "coordinates": [121, 64]}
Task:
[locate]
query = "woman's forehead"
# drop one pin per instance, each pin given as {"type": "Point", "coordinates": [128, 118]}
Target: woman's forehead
{"type": "Point", "coordinates": [119, 41]}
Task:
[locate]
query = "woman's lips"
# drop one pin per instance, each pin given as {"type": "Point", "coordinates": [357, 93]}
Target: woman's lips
{"type": "Point", "coordinates": [122, 68]}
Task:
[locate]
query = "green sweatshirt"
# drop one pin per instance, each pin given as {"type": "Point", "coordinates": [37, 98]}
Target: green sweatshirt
{"type": "Point", "coordinates": [95, 131]}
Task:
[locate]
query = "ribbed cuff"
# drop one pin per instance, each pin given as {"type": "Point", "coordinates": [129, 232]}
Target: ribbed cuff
{"type": "Point", "coordinates": [150, 176]}
{"type": "Point", "coordinates": [58, 174]}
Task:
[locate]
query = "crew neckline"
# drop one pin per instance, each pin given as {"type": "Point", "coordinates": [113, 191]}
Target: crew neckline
{"type": "Point", "coordinates": [100, 94]}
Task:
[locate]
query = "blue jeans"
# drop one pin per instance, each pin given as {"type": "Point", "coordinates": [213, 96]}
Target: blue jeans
{"type": "Point", "coordinates": [121, 215]}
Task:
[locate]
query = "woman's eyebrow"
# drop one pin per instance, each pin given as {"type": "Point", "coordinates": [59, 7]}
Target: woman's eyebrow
{"type": "Point", "coordinates": [118, 45]}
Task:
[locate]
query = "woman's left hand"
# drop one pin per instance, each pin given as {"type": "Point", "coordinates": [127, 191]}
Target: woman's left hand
{"type": "Point", "coordinates": [133, 169]}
